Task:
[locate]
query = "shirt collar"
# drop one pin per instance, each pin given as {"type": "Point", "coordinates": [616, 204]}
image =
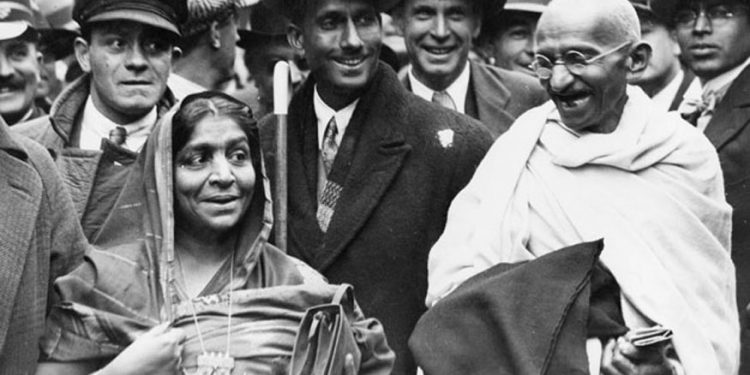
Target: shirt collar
{"type": "Point", "coordinates": [324, 113]}
{"type": "Point", "coordinates": [95, 126]}
{"type": "Point", "coordinates": [723, 80]}
{"type": "Point", "coordinates": [663, 99]}
{"type": "Point", "coordinates": [457, 90]}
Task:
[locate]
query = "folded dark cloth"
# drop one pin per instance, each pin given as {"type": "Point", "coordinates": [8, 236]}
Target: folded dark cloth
{"type": "Point", "coordinates": [523, 318]}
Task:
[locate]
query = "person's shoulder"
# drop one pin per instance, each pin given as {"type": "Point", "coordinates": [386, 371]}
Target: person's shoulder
{"type": "Point", "coordinates": [34, 129]}
{"type": "Point", "coordinates": [298, 271]}
{"type": "Point", "coordinates": [518, 84]}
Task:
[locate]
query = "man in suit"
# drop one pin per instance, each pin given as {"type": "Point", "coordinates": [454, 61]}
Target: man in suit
{"type": "Point", "coordinates": [665, 79]}
{"type": "Point", "coordinates": [713, 36]}
{"type": "Point", "coordinates": [372, 168]}
{"type": "Point", "coordinates": [126, 50]}
{"type": "Point", "coordinates": [38, 241]}
{"type": "Point", "coordinates": [438, 35]}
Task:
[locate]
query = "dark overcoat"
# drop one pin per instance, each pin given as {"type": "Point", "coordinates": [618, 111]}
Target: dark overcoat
{"type": "Point", "coordinates": [410, 159]}
{"type": "Point", "coordinates": [496, 97]}
{"type": "Point", "coordinates": [39, 240]}
{"type": "Point", "coordinates": [729, 132]}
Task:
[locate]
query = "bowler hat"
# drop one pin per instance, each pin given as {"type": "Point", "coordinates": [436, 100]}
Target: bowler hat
{"type": "Point", "coordinates": [164, 14]}
{"type": "Point", "coordinates": [266, 25]}
{"type": "Point", "coordinates": [289, 7]}
{"type": "Point", "coordinates": [15, 18]}
{"type": "Point", "coordinates": [531, 6]}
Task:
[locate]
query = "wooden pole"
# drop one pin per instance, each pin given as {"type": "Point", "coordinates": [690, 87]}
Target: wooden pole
{"type": "Point", "coordinates": [282, 94]}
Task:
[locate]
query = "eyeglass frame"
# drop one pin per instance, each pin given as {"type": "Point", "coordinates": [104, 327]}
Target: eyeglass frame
{"type": "Point", "coordinates": [575, 68]}
{"type": "Point", "coordinates": [732, 12]}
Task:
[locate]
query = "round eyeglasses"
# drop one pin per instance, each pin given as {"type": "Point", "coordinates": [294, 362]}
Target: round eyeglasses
{"type": "Point", "coordinates": [576, 62]}
{"type": "Point", "coordinates": [717, 14]}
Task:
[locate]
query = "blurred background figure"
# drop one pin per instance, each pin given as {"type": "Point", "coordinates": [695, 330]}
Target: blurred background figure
{"type": "Point", "coordinates": [20, 62]}
{"type": "Point", "coordinates": [265, 45]}
{"type": "Point", "coordinates": [507, 39]}
{"type": "Point", "coordinates": [208, 48]}
{"type": "Point", "coordinates": [57, 33]}
{"type": "Point", "coordinates": [665, 79]}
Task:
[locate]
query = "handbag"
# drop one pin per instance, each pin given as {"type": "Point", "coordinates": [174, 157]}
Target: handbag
{"type": "Point", "coordinates": [325, 337]}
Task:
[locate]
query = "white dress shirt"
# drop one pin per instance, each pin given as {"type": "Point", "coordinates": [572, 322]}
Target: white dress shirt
{"type": "Point", "coordinates": [95, 126]}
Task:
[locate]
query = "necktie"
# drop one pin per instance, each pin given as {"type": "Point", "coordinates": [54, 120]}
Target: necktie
{"type": "Point", "coordinates": [330, 147]}
{"type": "Point", "coordinates": [707, 113]}
{"type": "Point", "coordinates": [442, 98]}
{"type": "Point", "coordinates": [118, 135]}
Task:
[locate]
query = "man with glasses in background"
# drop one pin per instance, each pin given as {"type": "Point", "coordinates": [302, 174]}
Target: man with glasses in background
{"type": "Point", "coordinates": [715, 41]}
{"type": "Point", "coordinates": [601, 161]}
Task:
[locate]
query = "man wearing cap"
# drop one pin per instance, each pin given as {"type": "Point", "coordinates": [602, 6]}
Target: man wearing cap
{"type": "Point", "coordinates": [208, 48]}
{"type": "Point", "coordinates": [126, 50]}
{"type": "Point", "coordinates": [665, 80]}
{"type": "Point", "coordinates": [371, 167]}
{"type": "Point", "coordinates": [507, 39]}
{"type": "Point", "coordinates": [265, 45]}
{"type": "Point", "coordinates": [438, 35]}
{"type": "Point", "coordinates": [713, 36]}
{"type": "Point", "coordinates": [20, 63]}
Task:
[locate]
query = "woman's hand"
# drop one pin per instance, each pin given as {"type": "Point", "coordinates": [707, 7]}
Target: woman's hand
{"type": "Point", "coordinates": [620, 357]}
{"type": "Point", "coordinates": [157, 351]}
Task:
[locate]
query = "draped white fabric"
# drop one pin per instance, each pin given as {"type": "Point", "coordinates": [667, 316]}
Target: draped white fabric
{"type": "Point", "coordinates": [652, 189]}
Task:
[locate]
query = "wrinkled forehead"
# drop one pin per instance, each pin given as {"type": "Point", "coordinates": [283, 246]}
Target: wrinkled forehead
{"type": "Point", "coordinates": [584, 29]}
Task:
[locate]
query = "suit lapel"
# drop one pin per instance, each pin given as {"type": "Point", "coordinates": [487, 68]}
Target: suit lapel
{"type": "Point", "coordinates": [379, 153]}
{"type": "Point", "coordinates": [733, 112]}
{"type": "Point", "coordinates": [20, 196]}
{"type": "Point", "coordinates": [491, 97]}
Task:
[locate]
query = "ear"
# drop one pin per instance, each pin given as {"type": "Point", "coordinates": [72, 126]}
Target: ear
{"type": "Point", "coordinates": [638, 59]}
{"type": "Point", "coordinates": [214, 35]}
{"type": "Point", "coordinates": [82, 50]}
{"type": "Point", "coordinates": [176, 52]}
{"type": "Point", "coordinates": [477, 28]}
{"type": "Point", "coordinates": [676, 50]}
{"type": "Point", "coordinates": [296, 38]}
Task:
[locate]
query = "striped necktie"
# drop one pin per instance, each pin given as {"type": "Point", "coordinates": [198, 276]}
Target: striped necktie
{"type": "Point", "coordinates": [330, 147]}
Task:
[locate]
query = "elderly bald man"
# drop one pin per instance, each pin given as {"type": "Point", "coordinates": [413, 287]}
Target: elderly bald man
{"type": "Point", "coordinates": [597, 161]}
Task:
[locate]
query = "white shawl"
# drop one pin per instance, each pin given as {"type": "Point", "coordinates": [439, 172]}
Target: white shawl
{"type": "Point", "coordinates": [653, 189]}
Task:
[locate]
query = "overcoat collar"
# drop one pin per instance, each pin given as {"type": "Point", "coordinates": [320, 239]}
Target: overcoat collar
{"type": "Point", "coordinates": [379, 150]}
{"type": "Point", "coordinates": [732, 113]}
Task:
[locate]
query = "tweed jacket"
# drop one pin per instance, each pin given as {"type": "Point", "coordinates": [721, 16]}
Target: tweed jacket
{"type": "Point", "coordinates": [56, 132]}
{"type": "Point", "coordinates": [410, 159]}
{"type": "Point", "coordinates": [38, 242]}
{"type": "Point", "coordinates": [497, 96]}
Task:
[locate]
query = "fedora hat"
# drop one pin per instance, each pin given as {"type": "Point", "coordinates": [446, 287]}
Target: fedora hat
{"type": "Point", "coordinates": [265, 24]}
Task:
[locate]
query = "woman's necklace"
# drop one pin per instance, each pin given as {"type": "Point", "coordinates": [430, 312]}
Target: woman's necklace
{"type": "Point", "coordinates": [214, 363]}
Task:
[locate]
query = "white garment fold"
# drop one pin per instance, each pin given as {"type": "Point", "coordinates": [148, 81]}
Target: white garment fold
{"type": "Point", "coordinates": [653, 189]}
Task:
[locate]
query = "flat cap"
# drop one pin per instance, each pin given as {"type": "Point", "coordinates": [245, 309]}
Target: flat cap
{"type": "Point", "coordinates": [202, 12]}
{"type": "Point", "coordinates": [164, 14]}
{"type": "Point", "coordinates": [16, 17]}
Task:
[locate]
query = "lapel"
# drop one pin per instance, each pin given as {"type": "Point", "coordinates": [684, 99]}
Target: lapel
{"type": "Point", "coordinates": [380, 148]}
{"type": "Point", "coordinates": [491, 97]}
{"type": "Point", "coordinates": [20, 197]}
{"type": "Point", "coordinates": [733, 112]}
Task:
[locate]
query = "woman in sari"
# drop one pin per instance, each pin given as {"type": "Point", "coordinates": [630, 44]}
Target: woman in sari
{"type": "Point", "coordinates": [188, 282]}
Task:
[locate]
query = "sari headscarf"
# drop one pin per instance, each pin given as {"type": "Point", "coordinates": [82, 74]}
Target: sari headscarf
{"type": "Point", "coordinates": [129, 284]}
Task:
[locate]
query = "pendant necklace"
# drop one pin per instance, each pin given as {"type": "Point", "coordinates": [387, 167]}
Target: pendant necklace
{"type": "Point", "coordinates": [214, 363]}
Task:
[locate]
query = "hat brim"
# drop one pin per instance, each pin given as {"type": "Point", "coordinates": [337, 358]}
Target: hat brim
{"type": "Point", "coordinates": [14, 29]}
{"type": "Point", "coordinates": [250, 39]}
{"type": "Point", "coordinates": [139, 16]}
{"type": "Point", "coordinates": [530, 8]}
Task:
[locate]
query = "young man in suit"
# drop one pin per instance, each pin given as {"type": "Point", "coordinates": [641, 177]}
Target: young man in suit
{"type": "Point", "coordinates": [372, 168]}
{"type": "Point", "coordinates": [713, 38]}
{"type": "Point", "coordinates": [438, 35]}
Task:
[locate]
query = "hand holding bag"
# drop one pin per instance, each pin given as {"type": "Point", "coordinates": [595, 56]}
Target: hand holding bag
{"type": "Point", "coordinates": [325, 337]}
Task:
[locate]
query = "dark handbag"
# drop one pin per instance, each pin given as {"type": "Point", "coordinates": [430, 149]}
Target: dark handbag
{"type": "Point", "coordinates": [325, 337]}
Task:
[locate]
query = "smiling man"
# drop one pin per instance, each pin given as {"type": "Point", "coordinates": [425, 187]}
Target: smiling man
{"type": "Point", "coordinates": [99, 123]}
{"type": "Point", "coordinates": [438, 35]}
{"type": "Point", "coordinates": [713, 36]}
{"type": "Point", "coordinates": [372, 167]}
{"type": "Point", "coordinates": [19, 64]}
{"type": "Point", "coordinates": [600, 160]}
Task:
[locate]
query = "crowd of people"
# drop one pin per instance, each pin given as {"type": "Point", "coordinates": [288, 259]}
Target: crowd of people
{"type": "Point", "coordinates": [507, 187]}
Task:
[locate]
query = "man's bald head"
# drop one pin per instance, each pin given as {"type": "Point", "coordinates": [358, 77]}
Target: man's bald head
{"type": "Point", "coordinates": [617, 21]}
